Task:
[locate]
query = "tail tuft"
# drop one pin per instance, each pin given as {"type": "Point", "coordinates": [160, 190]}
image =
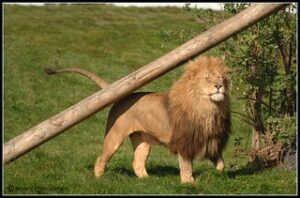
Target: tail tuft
{"type": "Point", "coordinates": [49, 71]}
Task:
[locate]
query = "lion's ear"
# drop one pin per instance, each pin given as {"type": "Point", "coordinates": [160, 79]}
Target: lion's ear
{"type": "Point", "coordinates": [191, 68]}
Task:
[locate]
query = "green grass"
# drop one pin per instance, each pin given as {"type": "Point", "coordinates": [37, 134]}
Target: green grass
{"type": "Point", "coordinates": [112, 42]}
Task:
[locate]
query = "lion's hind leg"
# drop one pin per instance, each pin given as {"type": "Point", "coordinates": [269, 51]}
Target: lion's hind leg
{"type": "Point", "coordinates": [112, 141]}
{"type": "Point", "coordinates": [141, 153]}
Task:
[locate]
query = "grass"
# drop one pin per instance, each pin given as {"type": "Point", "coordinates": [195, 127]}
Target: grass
{"type": "Point", "coordinates": [111, 42]}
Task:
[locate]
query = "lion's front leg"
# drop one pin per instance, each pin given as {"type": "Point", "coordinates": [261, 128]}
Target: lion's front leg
{"type": "Point", "coordinates": [186, 169]}
{"type": "Point", "coordinates": [219, 163]}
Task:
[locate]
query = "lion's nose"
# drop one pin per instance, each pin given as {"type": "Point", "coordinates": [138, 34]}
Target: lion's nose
{"type": "Point", "coordinates": [218, 86]}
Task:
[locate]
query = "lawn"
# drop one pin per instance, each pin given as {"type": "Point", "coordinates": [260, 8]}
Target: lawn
{"type": "Point", "coordinates": [112, 42]}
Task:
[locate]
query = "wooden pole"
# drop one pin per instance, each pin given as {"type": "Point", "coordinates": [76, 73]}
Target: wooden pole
{"type": "Point", "coordinates": [55, 125]}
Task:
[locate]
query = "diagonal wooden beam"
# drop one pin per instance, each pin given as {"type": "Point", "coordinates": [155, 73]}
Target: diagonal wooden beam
{"type": "Point", "coordinates": [59, 123]}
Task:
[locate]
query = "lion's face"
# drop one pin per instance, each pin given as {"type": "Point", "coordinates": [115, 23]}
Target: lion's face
{"type": "Point", "coordinates": [213, 85]}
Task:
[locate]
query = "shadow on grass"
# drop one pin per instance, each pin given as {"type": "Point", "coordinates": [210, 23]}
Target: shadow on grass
{"type": "Point", "coordinates": [157, 170]}
{"type": "Point", "coordinates": [124, 171]}
{"type": "Point", "coordinates": [160, 171]}
{"type": "Point", "coordinates": [163, 170]}
{"type": "Point", "coordinates": [248, 169]}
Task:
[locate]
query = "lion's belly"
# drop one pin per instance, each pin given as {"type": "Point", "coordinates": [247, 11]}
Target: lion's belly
{"type": "Point", "coordinates": [152, 117]}
{"type": "Point", "coordinates": [143, 112]}
{"type": "Point", "coordinates": [157, 131]}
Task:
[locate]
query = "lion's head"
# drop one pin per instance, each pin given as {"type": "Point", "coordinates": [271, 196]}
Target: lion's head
{"type": "Point", "coordinates": [198, 105]}
{"type": "Point", "coordinates": [209, 77]}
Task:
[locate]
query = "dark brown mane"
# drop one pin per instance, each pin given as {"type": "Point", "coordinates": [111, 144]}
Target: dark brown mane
{"type": "Point", "coordinates": [197, 129]}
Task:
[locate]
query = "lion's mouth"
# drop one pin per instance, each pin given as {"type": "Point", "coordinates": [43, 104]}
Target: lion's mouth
{"type": "Point", "coordinates": [217, 97]}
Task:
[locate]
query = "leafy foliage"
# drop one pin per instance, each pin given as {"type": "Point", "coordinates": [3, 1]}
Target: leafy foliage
{"type": "Point", "coordinates": [266, 56]}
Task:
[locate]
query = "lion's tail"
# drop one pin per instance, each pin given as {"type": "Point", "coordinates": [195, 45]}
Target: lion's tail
{"type": "Point", "coordinates": [96, 79]}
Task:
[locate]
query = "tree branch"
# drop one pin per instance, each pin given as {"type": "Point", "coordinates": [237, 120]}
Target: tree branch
{"type": "Point", "coordinates": [248, 98]}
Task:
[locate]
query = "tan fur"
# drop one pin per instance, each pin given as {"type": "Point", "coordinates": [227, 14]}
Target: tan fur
{"type": "Point", "coordinates": [191, 119]}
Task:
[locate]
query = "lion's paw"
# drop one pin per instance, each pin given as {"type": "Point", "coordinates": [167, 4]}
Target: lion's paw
{"type": "Point", "coordinates": [187, 180]}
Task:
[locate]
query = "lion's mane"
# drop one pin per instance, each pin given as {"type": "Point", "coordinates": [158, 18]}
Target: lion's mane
{"type": "Point", "coordinates": [199, 125]}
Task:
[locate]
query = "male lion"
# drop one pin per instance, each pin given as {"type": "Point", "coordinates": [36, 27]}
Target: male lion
{"type": "Point", "coordinates": [192, 119]}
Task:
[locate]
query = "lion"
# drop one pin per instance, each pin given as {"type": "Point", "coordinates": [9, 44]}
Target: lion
{"type": "Point", "coordinates": [192, 118]}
